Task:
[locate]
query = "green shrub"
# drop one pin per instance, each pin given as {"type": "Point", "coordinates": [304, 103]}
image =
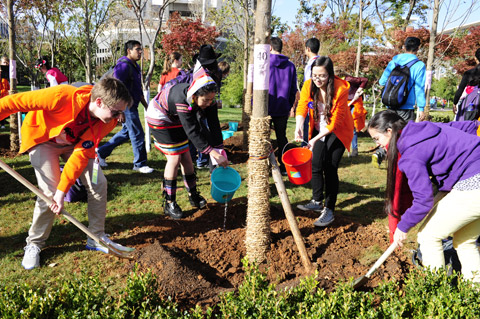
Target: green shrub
{"type": "Point", "coordinates": [232, 89]}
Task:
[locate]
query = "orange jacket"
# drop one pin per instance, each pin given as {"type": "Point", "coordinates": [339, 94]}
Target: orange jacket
{"type": "Point", "coordinates": [49, 111]}
{"type": "Point", "coordinates": [359, 114]}
{"type": "Point", "coordinates": [341, 122]}
{"type": "Point", "coordinates": [4, 87]}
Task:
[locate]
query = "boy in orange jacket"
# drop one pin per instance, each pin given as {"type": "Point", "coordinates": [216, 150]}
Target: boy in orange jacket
{"type": "Point", "coordinates": [67, 122]}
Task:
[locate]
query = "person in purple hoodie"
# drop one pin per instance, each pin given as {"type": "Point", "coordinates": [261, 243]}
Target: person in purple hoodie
{"type": "Point", "coordinates": [446, 155]}
{"type": "Point", "coordinates": [281, 94]}
{"type": "Point", "coordinates": [128, 71]}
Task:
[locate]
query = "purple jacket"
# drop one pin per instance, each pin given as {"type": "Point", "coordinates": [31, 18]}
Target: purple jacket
{"type": "Point", "coordinates": [283, 85]}
{"type": "Point", "coordinates": [129, 74]}
{"type": "Point", "coordinates": [447, 153]}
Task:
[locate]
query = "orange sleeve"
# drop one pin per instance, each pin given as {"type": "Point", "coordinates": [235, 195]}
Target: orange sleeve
{"type": "Point", "coordinates": [302, 108]}
{"type": "Point", "coordinates": [78, 161]}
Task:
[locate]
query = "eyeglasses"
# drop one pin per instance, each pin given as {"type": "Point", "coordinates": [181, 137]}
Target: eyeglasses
{"type": "Point", "coordinates": [320, 76]}
{"type": "Point", "coordinates": [115, 113]}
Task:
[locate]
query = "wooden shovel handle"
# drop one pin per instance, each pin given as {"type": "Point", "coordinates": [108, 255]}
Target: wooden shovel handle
{"type": "Point", "coordinates": [49, 201]}
{"type": "Point", "coordinates": [381, 260]}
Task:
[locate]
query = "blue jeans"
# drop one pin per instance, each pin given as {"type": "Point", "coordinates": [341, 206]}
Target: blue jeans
{"type": "Point", "coordinates": [355, 139]}
{"type": "Point", "coordinates": [131, 130]}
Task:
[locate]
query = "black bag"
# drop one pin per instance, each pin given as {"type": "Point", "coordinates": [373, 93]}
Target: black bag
{"type": "Point", "coordinates": [395, 92]}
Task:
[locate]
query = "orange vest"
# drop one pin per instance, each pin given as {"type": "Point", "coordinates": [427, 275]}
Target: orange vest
{"type": "Point", "coordinates": [341, 122]}
{"type": "Point", "coordinates": [49, 111]}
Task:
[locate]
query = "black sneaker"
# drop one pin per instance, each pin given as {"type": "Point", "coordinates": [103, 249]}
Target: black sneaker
{"type": "Point", "coordinates": [173, 210]}
{"type": "Point", "coordinates": [197, 200]}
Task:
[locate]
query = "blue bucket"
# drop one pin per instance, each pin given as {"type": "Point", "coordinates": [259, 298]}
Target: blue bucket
{"type": "Point", "coordinates": [225, 181]}
{"type": "Point", "coordinates": [233, 126]}
{"type": "Point", "coordinates": [227, 134]}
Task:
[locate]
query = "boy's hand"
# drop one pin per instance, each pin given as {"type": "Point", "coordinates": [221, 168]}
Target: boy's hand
{"type": "Point", "coordinates": [58, 202]}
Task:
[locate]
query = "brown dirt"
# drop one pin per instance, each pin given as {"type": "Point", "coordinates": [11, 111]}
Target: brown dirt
{"type": "Point", "coordinates": [196, 258]}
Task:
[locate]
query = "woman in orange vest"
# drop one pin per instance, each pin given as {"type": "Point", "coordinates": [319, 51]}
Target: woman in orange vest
{"type": "Point", "coordinates": [325, 98]}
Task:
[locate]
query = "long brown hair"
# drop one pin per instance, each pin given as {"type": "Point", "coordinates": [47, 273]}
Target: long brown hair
{"type": "Point", "coordinates": [381, 122]}
{"type": "Point", "coordinates": [169, 59]}
{"type": "Point", "coordinates": [327, 63]}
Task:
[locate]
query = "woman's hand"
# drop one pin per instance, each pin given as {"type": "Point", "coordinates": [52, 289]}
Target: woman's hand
{"type": "Point", "coordinates": [312, 142]}
{"type": "Point", "coordinates": [221, 160]}
{"type": "Point", "coordinates": [399, 237]}
{"type": "Point", "coordinates": [299, 134]}
{"type": "Point", "coordinates": [58, 202]}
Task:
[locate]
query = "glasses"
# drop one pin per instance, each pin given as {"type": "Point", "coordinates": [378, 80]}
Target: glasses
{"type": "Point", "coordinates": [320, 76]}
{"type": "Point", "coordinates": [115, 113]}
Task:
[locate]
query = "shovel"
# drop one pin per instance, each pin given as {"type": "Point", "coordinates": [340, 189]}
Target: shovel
{"type": "Point", "coordinates": [111, 250]}
{"type": "Point", "coordinates": [364, 279]}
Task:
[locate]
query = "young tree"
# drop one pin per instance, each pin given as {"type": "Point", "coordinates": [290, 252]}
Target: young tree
{"type": "Point", "coordinates": [138, 7]}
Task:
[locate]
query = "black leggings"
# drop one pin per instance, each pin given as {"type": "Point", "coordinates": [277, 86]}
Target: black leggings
{"type": "Point", "coordinates": [325, 162]}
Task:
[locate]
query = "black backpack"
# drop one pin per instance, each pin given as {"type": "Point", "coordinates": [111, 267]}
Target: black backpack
{"type": "Point", "coordinates": [395, 92]}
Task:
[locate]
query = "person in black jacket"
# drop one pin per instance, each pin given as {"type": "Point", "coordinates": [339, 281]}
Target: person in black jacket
{"type": "Point", "coordinates": [179, 114]}
{"type": "Point", "coordinates": [470, 77]}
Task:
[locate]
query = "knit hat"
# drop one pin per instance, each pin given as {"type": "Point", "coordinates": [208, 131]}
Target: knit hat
{"type": "Point", "coordinates": [200, 79]}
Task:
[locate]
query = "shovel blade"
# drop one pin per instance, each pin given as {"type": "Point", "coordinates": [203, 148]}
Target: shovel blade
{"type": "Point", "coordinates": [359, 282]}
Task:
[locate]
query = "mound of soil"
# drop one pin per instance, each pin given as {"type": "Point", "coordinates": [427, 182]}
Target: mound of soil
{"type": "Point", "coordinates": [199, 257]}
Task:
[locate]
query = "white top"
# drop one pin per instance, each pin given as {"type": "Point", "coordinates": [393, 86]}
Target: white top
{"type": "Point", "coordinates": [307, 74]}
{"type": "Point", "coordinates": [53, 81]}
{"type": "Point", "coordinates": [321, 124]}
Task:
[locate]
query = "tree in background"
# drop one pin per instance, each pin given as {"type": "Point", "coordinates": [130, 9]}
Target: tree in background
{"type": "Point", "coordinates": [186, 35]}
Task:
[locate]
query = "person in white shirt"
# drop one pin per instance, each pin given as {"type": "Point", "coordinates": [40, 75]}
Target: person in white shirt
{"type": "Point", "coordinates": [312, 46]}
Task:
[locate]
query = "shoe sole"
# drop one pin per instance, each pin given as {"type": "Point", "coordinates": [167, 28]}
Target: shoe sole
{"type": "Point", "coordinates": [30, 267]}
{"type": "Point", "coordinates": [324, 224]}
{"type": "Point", "coordinates": [309, 210]}
{"type": "Point", "coordinates": [102, 249]}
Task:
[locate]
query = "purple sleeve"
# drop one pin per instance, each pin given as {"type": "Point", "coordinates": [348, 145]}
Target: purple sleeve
{"type": "Point", "coordinates": [415, 170]}
{"type": "Point", "coordinates": [469, 127]}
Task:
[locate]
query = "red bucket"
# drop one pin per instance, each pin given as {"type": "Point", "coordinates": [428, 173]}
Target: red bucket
{"type": "Point", "coordinates": [298, 163]}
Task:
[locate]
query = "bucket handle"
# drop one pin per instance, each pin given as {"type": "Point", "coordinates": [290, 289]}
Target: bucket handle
{"type": "Point", "coordinates": [293, 143]}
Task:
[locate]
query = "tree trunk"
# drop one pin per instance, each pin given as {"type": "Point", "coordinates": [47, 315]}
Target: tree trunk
{"type": "Point", "coordinates": [247, 79]}
{"type": "Point", "coordinates": [14, 129]}
{"type": "Point", "coordinates": [257, 237]}
{"type": "Point", "coordinates": [360, 36]}
{"type": "Point", "coordinates": [431, 48]}
{"type": "Point", "coordinates": [88, 53]}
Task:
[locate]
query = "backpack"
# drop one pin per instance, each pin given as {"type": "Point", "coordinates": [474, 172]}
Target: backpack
{"type": "Point", "coordinates": [395, 92]}
{"type": "Point", "coordinates": [469, 108]}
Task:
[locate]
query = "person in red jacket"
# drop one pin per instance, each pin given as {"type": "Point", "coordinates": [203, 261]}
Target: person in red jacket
{"type": "Point", "coordinates": [325, 98]}
{"type": "Point", "coordinates": [67, 122]}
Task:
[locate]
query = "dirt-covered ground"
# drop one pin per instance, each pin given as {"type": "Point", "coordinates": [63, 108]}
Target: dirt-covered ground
{"type": "Point", "coordinates": [197, 258]}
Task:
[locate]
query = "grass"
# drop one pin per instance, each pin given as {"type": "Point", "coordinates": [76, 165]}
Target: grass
{"type": "Point", "coordinates": [135, 197]}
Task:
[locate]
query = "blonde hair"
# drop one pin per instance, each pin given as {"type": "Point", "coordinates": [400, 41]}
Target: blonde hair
{"type": "Point", "coordinates": [111, 91]}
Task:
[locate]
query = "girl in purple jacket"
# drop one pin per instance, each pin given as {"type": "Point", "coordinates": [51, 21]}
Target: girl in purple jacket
{"type": "Point", "coordinates": [447, 156]}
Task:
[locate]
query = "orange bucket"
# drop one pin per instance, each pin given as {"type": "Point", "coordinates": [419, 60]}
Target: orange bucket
{"type": "Point", "coordinates": [298, 163]}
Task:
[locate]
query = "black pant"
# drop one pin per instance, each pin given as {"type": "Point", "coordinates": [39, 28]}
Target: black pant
{"type": "Point", "coordinates": [280, 127]}
{"type": "Point", "coordinates": [325, 162]}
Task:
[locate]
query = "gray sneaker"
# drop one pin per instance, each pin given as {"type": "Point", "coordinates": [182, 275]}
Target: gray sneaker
{"type": "Point", "coordinates": [314, 205]}
{"type": "Point", "coordinates": [325, 219]}
{"type": "Point", "coordinates": [31, 259]}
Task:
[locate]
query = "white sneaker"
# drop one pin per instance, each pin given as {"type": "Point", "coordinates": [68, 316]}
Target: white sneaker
{"type": "Point", "coordinates": [31, 259]}
{"type": "Point", "coordinates": [93, 245]}
{"type": "Point", "coordinates": [102, 162]}
{"type": "Point", "coordinates": [325, 219]}
{"type": "Point", "coordinates": [143, 169]}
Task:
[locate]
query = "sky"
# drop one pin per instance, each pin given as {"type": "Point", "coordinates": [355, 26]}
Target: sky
{"type": "Point", "coordinates": [287, 9]}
